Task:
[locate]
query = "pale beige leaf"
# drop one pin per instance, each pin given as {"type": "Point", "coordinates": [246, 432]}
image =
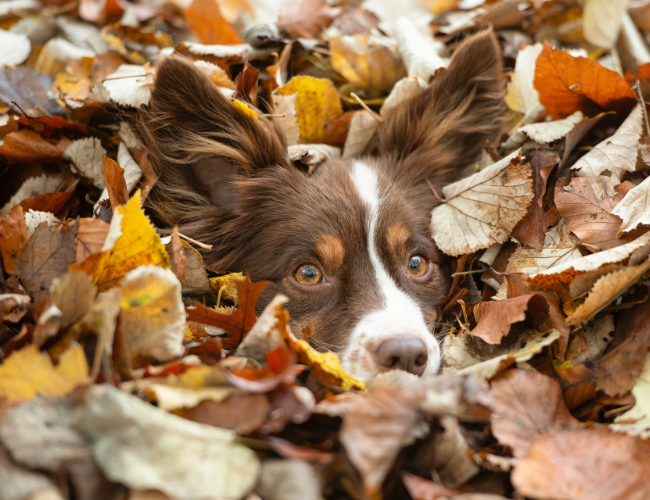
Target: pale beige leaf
{"type": "Point", "coordinates": [34, 218]}
{"type": "Point", "coordinates": [152, 314]}
{"type": "Point", "coordinates": [57, 53]}
{"type": "Point", "coordinates": [601, 21]}
{"type": "Point", "coordinates": [218, 76]}
{"type": "Point", "coordinates": [616, 154]}
{"type": "Point", "coordinates": [419, 52]}
{"type": "Point", "coordinates": [132, 171]}
{"type": "Point", "coordinates": [238, 50]}
{"type": "Point", "coordinates": [286, 105]}
{"type": "Point", "coordinates": [544, 132]}
{"type": "Point", "coordinates": [362, 127]}
{"type": "Point", "coordinates": [522, 96]}
{"type": "Point", "coordinates": [607, 289]}
{"type": "Point", "coordinates": [482, 209]}
{"type": "Point", "coordinates": [14, 49]}
{"type": "Point", "coordinates": [34, 186]}
{"type": "Point", "coordinates": [636, 421]}
{"type": "Point", "coordinates": [389, 12]}
{"type": "Point", "coordinates": [86, 154]}
{"type": "Point", "coordinates": [401, 92]}
{"type": "Point", "coordinates": [559, 247]}
{"type": "Point", "coordinates": [130, 85]}
{"type": "Point", "coordinates": [82, 34]}
{"type": "Point", "coordinates": [634, 208]}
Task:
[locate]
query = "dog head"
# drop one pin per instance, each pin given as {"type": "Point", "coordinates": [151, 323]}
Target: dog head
{"type": "Point", "coordinates": [350, 245]}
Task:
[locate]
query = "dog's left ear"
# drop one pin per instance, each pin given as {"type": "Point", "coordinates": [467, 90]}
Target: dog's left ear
{"type": "Point", "coordinates": [445, 127]}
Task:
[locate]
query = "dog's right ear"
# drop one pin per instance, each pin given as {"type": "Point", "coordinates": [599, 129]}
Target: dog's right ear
{"type": "Point", "coordinates": [200, 141]}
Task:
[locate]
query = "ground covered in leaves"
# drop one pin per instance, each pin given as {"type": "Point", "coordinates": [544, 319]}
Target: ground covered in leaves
{"type": "Point", "coordinates": [125, 365]}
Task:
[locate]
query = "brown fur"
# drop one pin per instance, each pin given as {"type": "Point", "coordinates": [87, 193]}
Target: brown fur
{"type": "Point", "coordinates": [226, 181]}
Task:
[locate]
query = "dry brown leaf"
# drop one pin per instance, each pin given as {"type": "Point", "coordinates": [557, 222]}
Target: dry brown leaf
{"type": "Point", "coordinates": [86, 154]}
{"type": "Point", "coordinates": [589, 463]}
{"type": "Point", "coordinates": [362, 128]}
{"type": "Point", "coordinates": [115, 183]}
{"type": "Point", "coordinates": [285, 105]}
{"type": "Point", "coordinates": [13, 237]}
{"type": "Point", "coordinates": [634, 208]}
{"type": "Point", "coordinates": [306, 18]}
{"type": "Point", "coordinates": [586, 204]}
{"type": "Point", "coordinates": [526, 406]}
{"type": "Point", "coordinates": [567, 84]}
{"type": "Point", "coordinates": [177, 257]}
{"type": "Point", "coordinates": [482, 209]}
{"type": "Point", "coordinates": [494, 318]}
{"type": "Point", "coordinates": [48, 202]}
{"type": "Point", "coordinates": [242, 413]}
{"type": "Point", "coordinates": [73, 293]}
{"type": "Point", "coordinates": [90, 238]}
{"type": "Point", "coordinates": [28, 145]}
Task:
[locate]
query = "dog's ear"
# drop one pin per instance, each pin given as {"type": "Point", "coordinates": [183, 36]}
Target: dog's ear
{"type": "Point", "coordinates": [200, 141]}
{"type": "Point", "coordinates": [445, 127]}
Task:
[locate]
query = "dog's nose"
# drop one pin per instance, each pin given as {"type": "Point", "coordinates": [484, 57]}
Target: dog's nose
{"type": "Point", "coordinates": [403, 353]}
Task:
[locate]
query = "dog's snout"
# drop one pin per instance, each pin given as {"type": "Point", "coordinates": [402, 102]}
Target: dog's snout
{"type": "Point", "coordinates": [408, 353]}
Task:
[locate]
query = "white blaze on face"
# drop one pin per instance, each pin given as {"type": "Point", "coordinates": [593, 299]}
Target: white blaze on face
{"type": "Point", "coordinates": [399, 315]}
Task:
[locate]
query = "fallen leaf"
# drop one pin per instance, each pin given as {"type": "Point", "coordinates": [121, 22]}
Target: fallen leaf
{"type": "Point", "coordinates": [21, 482]}
{"type": "Point", "coordinates": [530, 230]}
{"type": "Point", "coordinates": [132, 441]}
{"type": "Point", "coordinates": [27, 145]}
{"type": "Point", "coordinates": [241, 413]}
{"type": "Point", "coordinates": [634, 208]}
{"type": "Point", "coordinates": [86, 154]}
{"type": "Point", "coordinates": [289, 480]}
{"type": "Point", "coordinates": [601, 21]}
{"type": "Point", "coordinates": [317, 102]}
{"type": "Point", "coordinates": [362, 128]}
{"type": "Point", "coordinates": [586, 204]}
{"type": "Point", "coordinates": [115, 184]}
{"type": "Point", "coordinates": [420, 53]}
{"type": "Point", "coordinates": [33, 219]}
{"type": "Point", "coordinates": [205, 19]}
{"type": "Point", "coordinates": [152, 315]}
{"type": "Point", "coordinates": [73, 293]}
{"type": "Point", "coordinates": [90, 238]}
{"type": "Point", "coordinates": [494, 318]}
{"type": "Point", "coordinates": [15, 48]}
{"type": "Point", "coordinates": [525, 406]}
{"type": "Point", "coordinates": [567, 84]}
{"type": "Point", "coordinates": [35, 186]}
{"type": "Point", "coordinates": [47, 255]}
{"type": "Point", "coordinates": [246, 84]}
{"type": "Point", "coordinates": [616, 154]}
{"type": "Point", "coordinates": [423, 489]}
{"type": "Point", "coordinates": [544, 132]}
{"type": "Point", "coordinates": [522, 96]}
{"type": "Point", "coordinates": [13, 306]}
{"type": "Point", "coordinates": [403, 90]}
{"type": "Point", "coordinates": [237, 324]}
{"type": "Point", "coordinates": [636, 421]}
{"type": "Point", "coordinates": [28, 371]}
{"type": "Point", "coordinates": [570, 464]}
{"type": "Point", "coordinates": [285, 105]}
{"type": "Point", "coordinates": [306, 18]}
{"type": "Point", "coordinates": [372, 61]}
{"type": "Point", "coordinates": [130, 85]}
{"type": "Point", "coordinates": [597, 335]}
{"type": "Point", "coordinates": [131, 242]}
{"type": "Point", "coordinates": [48, 202]}
{"type": "Point", "coordinates": [13, 238]}
{"type": "Point", "coordinates": [482, 209]}
{"type": "Point", "coordinates": [177, 256]}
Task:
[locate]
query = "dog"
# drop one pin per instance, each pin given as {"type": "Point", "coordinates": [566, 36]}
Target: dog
{"type": "Point", "coordinates": [349, 245]}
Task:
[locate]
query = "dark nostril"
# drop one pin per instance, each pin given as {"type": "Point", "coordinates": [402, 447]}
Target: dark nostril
{"type": "Point", "coordinates": [408, 353]}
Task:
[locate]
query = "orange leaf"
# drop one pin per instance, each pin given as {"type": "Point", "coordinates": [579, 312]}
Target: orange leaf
{"type": "Point", "coordinates": [567, 84]}
{"type": "Point", "coordinates": [205, 19]}
{"type": "Point", "coordinates": [178, 258]}
{"type": "Point", "coordinates": [28, 145]}
{"type": "Point", "coordinates": [115, 183]}
{"type": "Point", "coordinates": [237, 324]}
{"type": "Point", "coordinates": [90, 237]}
{"type": "Point", "coordinates": [13, 237]}
{"type": "Point", "coordinates": [49, 202]}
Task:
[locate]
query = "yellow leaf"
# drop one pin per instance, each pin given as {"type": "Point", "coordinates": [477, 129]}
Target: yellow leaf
{"type": "Point", "coordinates": [317, 103]}
{"type": "Point", "coordinates": [30, 371]}
{"type": "Point", "coordinates": [243, 107]}
{"type": "Point", "coordinates": [227, 281]}
{"type": "Point", "coordinates": [137, 245]}
{"type": "Point", "coordinates": [74, 83]}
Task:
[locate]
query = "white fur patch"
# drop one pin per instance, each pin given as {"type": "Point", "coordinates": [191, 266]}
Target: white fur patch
{"type": "Point", "coordinates": [399, 315]}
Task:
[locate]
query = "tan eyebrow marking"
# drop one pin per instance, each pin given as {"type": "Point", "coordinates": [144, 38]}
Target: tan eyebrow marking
{"type": "Point", "coordinates": [398, 236]}
{"type": "Point", "coordinates": [330, 250]}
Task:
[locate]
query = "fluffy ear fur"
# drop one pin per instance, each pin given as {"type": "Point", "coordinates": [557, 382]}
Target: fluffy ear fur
{"type": "Point", "coordinates": [445, 127]}
{"type": "Point", "coordinates": [200, 142]}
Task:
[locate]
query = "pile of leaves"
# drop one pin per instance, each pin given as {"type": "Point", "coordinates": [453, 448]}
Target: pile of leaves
{"type": "Point", "coordinates": [130, 370]}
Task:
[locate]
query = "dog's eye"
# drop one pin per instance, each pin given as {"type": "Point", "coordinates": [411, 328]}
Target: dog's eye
{"type": "Point", "coordinates": [309, 274]}
{"type": "Point", "coordinates": [417, 266]}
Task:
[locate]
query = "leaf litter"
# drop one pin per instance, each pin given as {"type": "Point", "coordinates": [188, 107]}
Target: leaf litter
{"type": "Point", "coordinates": [130, 370]}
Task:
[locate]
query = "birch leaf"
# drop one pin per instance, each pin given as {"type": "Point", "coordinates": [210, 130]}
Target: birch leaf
{"type": "Point", "coordinates": [362, 127]}
{"type": "Point", "coordinates": [286, 105]}
{"type": "Point", "coordinates": [601, 21]}
{"type": "Point", "coordinates": [616, 154]}
{"type": "Point", "coordinates": [544, 132]}
{"type": "Point", "coordinates": [482, 209]}
{"type": "Point", "coordinates": [130, 85]}
{"type": "Point", "coordinates": [634, 208]}
{"type": "Point", "coordinates": [522, 96]}
{"type": "Point", "coordinates": [86, 154]}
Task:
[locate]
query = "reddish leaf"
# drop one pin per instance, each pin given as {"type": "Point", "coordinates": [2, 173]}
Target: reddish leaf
{"type": "Point", "coordinates": [53, 122]}
{"type": "Point", "coordinates": [115, 184]}
{"type": "Point", "coordinates": [49, 202]}
{"type": "Point", "coordinates": [90, 237]}
{"type": "Point", "coordinates": [28, 145]}
{"type": "Point", "coordinates": [567, 84]}
{"type": "Point", "coordinates": [237, 324]}
{"type": "Point", "coordinates": [13, 237]}
{"type": "Point", "coordinates": [205, 19]}
{"type": "Point", "coordinates": [246, 82]}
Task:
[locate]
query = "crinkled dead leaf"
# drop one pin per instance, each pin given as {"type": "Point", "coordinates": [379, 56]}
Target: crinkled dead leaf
{"type": "Point", "coordinates": [115, 184]}
{"type": "Point", "coordinates": [586, 204]}
{"type": "Point", "coordinates": [130, 85]}
{"type": "Point", "coordinates": [13, 238]}
{"type": "Point", "coordinates": [317, 103]}
{"type": "Point", "coordinates": [33, 219]}
{"type": "Point", "coordinates": [28, 145]}
{"type": "Point", "coordinates": [13, 306]}
{"type": "Point", "coordinates": [559, 247]}
{"type": "Point", "coordinates": [403, 90]}
{"type": "Point", "coordinates": [601, 21]}
{"type": "Point", "coordinates": [494, 318]}
{"type": "Point", "coordinates": [616, 154]}
{"type": "Point", "coordinates": [47, 255]}
{"type": "Point", "coordinates": [131, 242]}
{"type": "Point", "coordinates": [86, 154]}
{"type": "Point", "coordinates": [607, 289]}
{"type": "Point", "coordinates": [133, 443]}
{"type": "Point", "coordinates": [522, 96]}
{"type": "Point", "coordinates": [28, 371]}
{"type": "Point", "coordinates": [152, 315]}
{"type": "Point", "coordinates": [372, 61]}
{"type": "Point", "coordinates": [482, 209]}
{"type": "Point", "coordinates": [634, 208]}
{"type": "Point", "coordinates": [589, 463]}
{"type": "Point", "coordinates": [567, 84]}
{"type": "Point", "coordinates": [525, 406]}
{"type": "Point", "coordinates": [306, 18]}
{"type": "Point", "coordinates": [237, 324]}
{"type": "Point", "coordinates": [423, 489]}
{"type": "Point", "coordinates": [73, 86]}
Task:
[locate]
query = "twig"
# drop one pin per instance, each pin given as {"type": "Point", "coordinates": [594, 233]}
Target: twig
{"type": "Point", "coordinates": [435, 193]}
{"type": "Point", "coordinates": [468, 272]}
{"type": "Point", "coordinates": [377, 118]}
{"type": "Point", "coordinates": [197, 243]}
{"type": "Point", "coordinates": [271, 115]}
